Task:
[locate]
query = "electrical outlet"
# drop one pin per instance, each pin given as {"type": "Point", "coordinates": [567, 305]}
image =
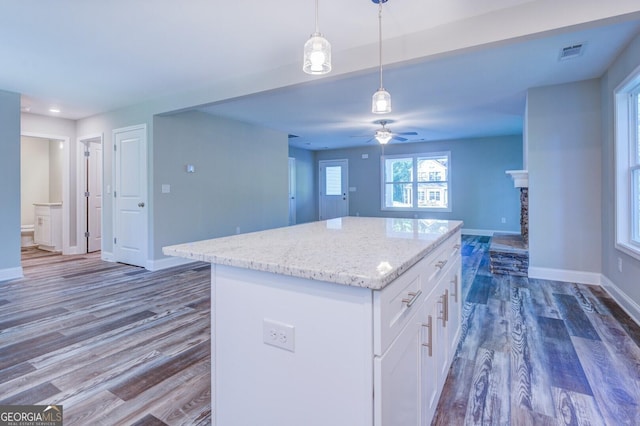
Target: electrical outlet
{"type": "Point", "coordinates": [278, 334]}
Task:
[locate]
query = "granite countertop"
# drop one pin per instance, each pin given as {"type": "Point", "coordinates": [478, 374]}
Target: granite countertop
{"type": "Point", "coordinates": [357, 251]}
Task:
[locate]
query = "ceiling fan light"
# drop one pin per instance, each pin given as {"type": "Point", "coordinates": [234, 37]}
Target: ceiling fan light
{"type": "Point", "coordinates": [381, 102]}
{"type": "Point", "coordinates": [383, 136]}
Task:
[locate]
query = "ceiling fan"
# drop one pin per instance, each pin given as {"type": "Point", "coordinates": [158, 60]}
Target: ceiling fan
{"type": "Point", "coordinates": [384, 135]}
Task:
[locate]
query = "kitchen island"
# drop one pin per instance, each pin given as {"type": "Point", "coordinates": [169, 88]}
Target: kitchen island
{"type": "Point", "coordinates": [349, 321]}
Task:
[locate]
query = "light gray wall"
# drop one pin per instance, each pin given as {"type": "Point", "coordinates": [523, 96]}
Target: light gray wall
{"type": "Point", "coordinates": [628, 279]}
{"type": "Point", "coordinates": [34, 176]}
{"type": "Point", "coordinates": [55, 171]}
{"type": "Point", "coordinates": [564, 142]}
{"type": "Point", "coordinates": [10, 187]}
{"type": "Point", "coordinates": [481, 193]}
{"type": "Point", "coordinates": [306, 184]}
{"type": "Point", "coordinates": [240, 179]}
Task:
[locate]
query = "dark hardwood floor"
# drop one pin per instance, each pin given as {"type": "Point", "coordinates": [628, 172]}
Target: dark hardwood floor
{"type": "Point", "coordinates": [536, 352]}
{"type": "Point", "coordinates": [118, 345]}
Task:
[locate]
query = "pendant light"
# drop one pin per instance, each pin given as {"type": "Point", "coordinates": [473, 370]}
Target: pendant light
{"type": "Point", "coordinates": [317, 52]}
{"type": "Point", "coordinates": [381, 101]}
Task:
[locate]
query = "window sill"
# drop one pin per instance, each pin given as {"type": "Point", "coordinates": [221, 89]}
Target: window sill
{"type": "Point", "coordinates": [630, 249]}
{"type": "Point", "coordinates": [415, 210]}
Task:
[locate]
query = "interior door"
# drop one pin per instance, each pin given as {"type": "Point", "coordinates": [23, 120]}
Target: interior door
{"type": "Point", "coordinates": [292, 191]}
{"type": "Point", "coordinates": [130, 196]}
{"type": "Point", "coordinates": [94, 198]}
{"type": "Point", "coordinates": [334, 193]}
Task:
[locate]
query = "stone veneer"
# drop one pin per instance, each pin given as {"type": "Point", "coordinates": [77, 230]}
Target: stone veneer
{"type": "Point", "coordinates": [524, 215]}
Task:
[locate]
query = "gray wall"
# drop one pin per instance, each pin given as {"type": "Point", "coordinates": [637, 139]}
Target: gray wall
{"type": "Point", "coordinates": [306, 185]}
{"type": "Point", "coordinates": [564, 139]}
{"type": "Point", "coordinates": [481, 193]}
{"type": "Point", "coordinates": [10, 187]}
{"type": "Point", "coordinates": [240, 178]}
{"type": "Point", "coordinates": [627, 280]}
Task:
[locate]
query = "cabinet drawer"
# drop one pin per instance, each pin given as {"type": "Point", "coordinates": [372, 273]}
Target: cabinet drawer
{"type": "Point", "coordinates": [439, 262]}
{"type": "Point", "coordinates": [42, 211]}
{"type": "Point", "coordinates": [394, 305]}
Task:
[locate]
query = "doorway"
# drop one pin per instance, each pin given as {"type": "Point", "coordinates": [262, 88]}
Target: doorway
{"type": "Point", "coordinates": [44, 185]}
{"type": "Point", "coordinates": [334, 184]}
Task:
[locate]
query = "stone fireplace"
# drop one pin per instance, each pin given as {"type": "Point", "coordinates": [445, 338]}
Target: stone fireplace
{"type": "Point", "coordinates": [509, 253]}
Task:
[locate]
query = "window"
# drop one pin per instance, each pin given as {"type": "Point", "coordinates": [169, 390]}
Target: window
{"type": "Point", "coordinates": [418, 182]}
{"type": "Point", "coordinates": [627, 155]}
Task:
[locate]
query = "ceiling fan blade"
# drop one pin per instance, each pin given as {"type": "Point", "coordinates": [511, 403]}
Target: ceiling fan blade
{"type": "Point", "coordinates": [400, 139]}
{"type": "Point", "coordinates": [407, 133]}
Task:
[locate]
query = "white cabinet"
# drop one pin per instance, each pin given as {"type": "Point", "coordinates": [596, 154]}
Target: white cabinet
{"type": "Point", "coordinates": [420, 314]}
{"type": "Point", "coordinates": [48, 226]}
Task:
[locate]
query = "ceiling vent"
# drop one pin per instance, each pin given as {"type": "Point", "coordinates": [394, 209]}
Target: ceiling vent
{"type": "Point", "coordinates": [570, 52]}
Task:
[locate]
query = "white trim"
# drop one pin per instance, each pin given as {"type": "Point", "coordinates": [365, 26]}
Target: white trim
{"type": "Point", "coordinates": [168, 262]}
{"type": "Point", "coordinates": [565, 275]}
{"type": "Point", "coordinates": [479, 232]}
{"type": "Point", "coordinates": [107, 256]}
{"type": "Point", "coordinates": [66, 230]}
{"type": "Point", "coordinates": [625, 302]}
{"type": "Point", "coordinates": [11, 274]}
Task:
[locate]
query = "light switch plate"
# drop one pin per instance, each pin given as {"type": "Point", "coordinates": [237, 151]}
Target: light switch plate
{"type": "Point", "coordinates": [166, 188]}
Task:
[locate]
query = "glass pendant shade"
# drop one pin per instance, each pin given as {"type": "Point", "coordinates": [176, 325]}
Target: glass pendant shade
{"type": "Point", "coordinates": [381, 102]}
{"type": "Point", "coordinates": [317, 55]}
{"type": "Point", "coordinates": [383, 136]}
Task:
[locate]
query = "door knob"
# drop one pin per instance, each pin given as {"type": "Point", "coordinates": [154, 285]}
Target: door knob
{"type": "Point", "coordinates": [140, 204]}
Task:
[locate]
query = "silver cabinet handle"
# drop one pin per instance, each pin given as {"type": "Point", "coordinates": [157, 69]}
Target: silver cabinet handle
{"type": "Point", "coordinates": [429, 343]}
{"type": "Point", "coordinates": [413, 298]}
{"type": "Point", "coordinates": [444, 312]}
{"type": "Point", "coordinates": [140, 204]}
{"type": "Point", "coordinates": [440, 264]}
{"type": "Point", "coordinates": [454, 281]}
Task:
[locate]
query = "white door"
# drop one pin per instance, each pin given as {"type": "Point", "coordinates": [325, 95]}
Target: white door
{"type": "Point", "coordinates": [130, 196]}
{"type": "Point", "coordinates": [292, 191]}
{"type": "Point", "coordinates": [334, 193]}
{"type": "Point", "coordinates": [94, 195]}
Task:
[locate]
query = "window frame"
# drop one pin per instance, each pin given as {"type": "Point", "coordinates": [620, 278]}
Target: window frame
{"type": "Point", "coordinates": [627, 164]}
{"type": "Point", "coordinates": [415, 181]}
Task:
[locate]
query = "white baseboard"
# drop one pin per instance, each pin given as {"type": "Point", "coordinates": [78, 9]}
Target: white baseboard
{"type": "Point", "coordinates": [11, 273]}
{"type": "Point", "coordinates": [167, 262]}
{"type": "Point", "coordinates": [107, 256]}
{"type": "Point", "coordinates": [628, 304]}
{"type": "Point", "coordinates": [565, 275]}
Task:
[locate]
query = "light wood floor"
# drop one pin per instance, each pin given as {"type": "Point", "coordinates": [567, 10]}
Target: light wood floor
{"type": "Point", "coordinates": [118, 345]}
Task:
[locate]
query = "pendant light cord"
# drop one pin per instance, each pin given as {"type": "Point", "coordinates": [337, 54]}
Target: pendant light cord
{"type": "Point", "coordinates": [380, 38]}
{"type": "Point", "coordinates": [317, 28]}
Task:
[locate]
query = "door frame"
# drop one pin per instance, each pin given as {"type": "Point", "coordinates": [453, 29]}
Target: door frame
{"type": "Point", "coordinates": [320, 180]}
{"type": "Point", "coordinates": [81, 200]}
{"type": "Point", "coordinates": [292, 190]}
{"type": "Point", "coordinates": [66, 249]}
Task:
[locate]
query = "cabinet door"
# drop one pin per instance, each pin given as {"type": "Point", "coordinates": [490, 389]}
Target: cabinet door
{"type": "Point", "coordinates": [455, 308]}
{"type": "Point", "coordinates": [434, 355]}
{"type": "Point", "coordinates": [397, 376]}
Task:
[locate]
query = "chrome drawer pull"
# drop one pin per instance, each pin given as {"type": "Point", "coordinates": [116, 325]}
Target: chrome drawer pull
{"type": "Point", "coordinates": [429, 345]}
{"type": "Point", "coordinates": [444, 312]}
{"type": "Point", "coordinates": [414, 298]}
{"type": "Point", "coordinates": [454, 281]}
{"type": "Point", "coordinates": [440, 264]}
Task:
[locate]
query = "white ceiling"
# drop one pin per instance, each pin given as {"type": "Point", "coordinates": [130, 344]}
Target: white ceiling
{"type": "Point", "coordinates": [454, 68]}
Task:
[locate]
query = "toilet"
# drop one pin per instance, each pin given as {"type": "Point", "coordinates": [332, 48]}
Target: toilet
{"type": "Point", "coordinates": [26, 236]}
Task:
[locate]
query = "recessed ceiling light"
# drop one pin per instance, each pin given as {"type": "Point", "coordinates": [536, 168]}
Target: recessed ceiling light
{"type": "Point", "coordinates": [54, 109]}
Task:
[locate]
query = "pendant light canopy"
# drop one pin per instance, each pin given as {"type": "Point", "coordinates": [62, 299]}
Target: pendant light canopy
{"type": "Point", "coordinates": [317, 52]}
{"type": "Point", "coordinates": [381, 101]}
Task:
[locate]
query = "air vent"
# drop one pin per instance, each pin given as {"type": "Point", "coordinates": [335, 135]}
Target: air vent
{"type": "Point", "coordinates": [570, 52]}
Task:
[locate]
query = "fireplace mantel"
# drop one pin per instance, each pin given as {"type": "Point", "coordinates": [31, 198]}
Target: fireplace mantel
{"type": "Point", "coordinates": [520, 178]}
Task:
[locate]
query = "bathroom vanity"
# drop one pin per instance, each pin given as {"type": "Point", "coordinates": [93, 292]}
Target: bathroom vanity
{"type": "Point", "coordinates": [47, 229]}
{"type": "Point", "coordinates": [350, 321]}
